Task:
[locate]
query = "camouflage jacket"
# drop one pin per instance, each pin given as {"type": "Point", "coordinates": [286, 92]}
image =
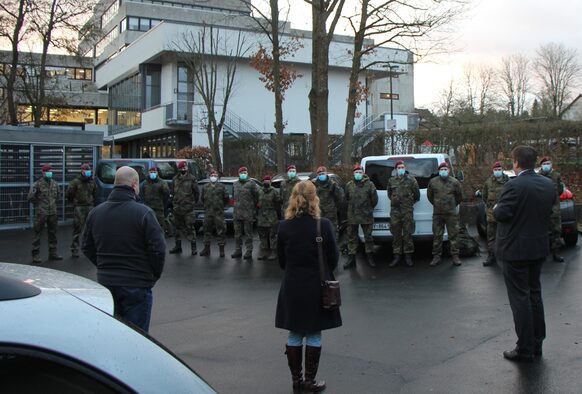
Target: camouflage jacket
{"type": "Point", "coordinates": [186, 193]}
{"type": "Point", "coordinates": [403, 191]}
{"type": "Point", "coordinates": [214, 197]}
{"type": "Point", "coordinates": [330, 196]}
{"type": "Point", "coordinates": [245, 199]}
{"type": "Point", "coordinates": [444, 194]}
{"type": "Point", "coordinates": [362, 198]}
{"type": "Point", "coordinates": [491, 193]}
{"type": "Point", "coordinates": [44, 195]}
{"type": "Point", "coordinates": [269, 201]}
{"type": "Point", "coordinates": [286, 188]}
{"type": "Point", "coordinates": [555, 177]}
{"type": "Point", "coordinates": [155, 193]}
{"type": "Point", "coordinates": [82, 191]}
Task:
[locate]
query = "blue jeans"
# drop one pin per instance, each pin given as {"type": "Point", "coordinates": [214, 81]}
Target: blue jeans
{"type": "Point", "coordinates": [133, 304]}
{"type": "Point", "coordinates": [311, 339]}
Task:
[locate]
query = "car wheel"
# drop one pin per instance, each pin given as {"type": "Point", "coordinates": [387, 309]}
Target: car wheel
{"type": "Point", "coordinates": [571, 239]}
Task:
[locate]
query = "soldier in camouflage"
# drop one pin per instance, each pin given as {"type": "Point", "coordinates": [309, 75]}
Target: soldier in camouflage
{"type": "Point", "coordinates": [330, 197]}
{"type": "Point", "coordinates": [44, 196]}
{"type": "Point", "coordinates": [214, 197]}
{"type": "Point", "coordinates": [403, 193]}
{"type": "Point", "coordinates": [362, 198]}
{"type": "Point", "coordinates": [156, 193]}
{"type": "Point", "coordinates": [491, 193]}
{"type": "Point", "coordinates": [555, 218]}
{"type": "Point", "coordinates": [186, 194]}
{"type": "Point", "coordinates": [287, 186]}
{"type": "Point", "coordinates": [268, 219]}
{"type": "Point", "coordinates": [444, 193]}
{"type": "Point", "coordinates": [246, 195]}
{"type": "Point", "coordinates": [82, 193]}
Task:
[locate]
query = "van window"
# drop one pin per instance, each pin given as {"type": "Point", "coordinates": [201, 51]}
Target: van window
{"type": "Point", "coordinates": [106, 171]}
{"type": "Point", "coordinates": [166, 170]}
{"type": "Point", "coordinates": [423, 170]}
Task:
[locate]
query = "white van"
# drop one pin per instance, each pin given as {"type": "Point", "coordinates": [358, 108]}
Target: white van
{"type": "Point", "coordinates": [423, 167]}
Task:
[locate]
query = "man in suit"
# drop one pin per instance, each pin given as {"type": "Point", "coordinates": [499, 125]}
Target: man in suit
{"type": "Point", "coordinates": [523, 216]}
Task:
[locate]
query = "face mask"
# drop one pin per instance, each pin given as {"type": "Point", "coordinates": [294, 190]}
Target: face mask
{"type": "Point", "coordinates": [213, 179]}
{"type": "Point", "coordinates": [243, 177]}
{"type": "Point", "coordinates": [444, 173]}
{"type": "Point", "coordinates": [546, 167]}
{"type": "Point", "coordinates": [266, 185]}
{"type": "Point", "coordinates": [497, 173]}
{"type": "Point", "coordinates": [291, 174]}
{"type": "Point", "coordinates": [48, 174]}
{"type": "Point", "coordinates": [322, 177]}
{"type": "Point", "coordinates": [400, 171]}
{"type": "Point", "coordinates": [358, 177]}
{"type": "Point", "coordinates": [153, 176]}
{"type": "Point", "coordinates": [88, 173]}
{"type": "Point", "coordinates": [183, 170]}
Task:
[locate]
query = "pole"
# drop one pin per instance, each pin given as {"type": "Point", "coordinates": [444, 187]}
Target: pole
{"type": "Point", "coordinates": [391, 112]}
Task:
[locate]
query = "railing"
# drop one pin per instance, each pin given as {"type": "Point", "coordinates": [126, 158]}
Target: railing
{"type": "Point", "coordinates": [365, 124]}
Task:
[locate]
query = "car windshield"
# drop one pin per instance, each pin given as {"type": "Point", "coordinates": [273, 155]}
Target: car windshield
{"type": "Point", "coordinates": [106, 171]}
{"type": "Point", "coordinates": [380, 171]}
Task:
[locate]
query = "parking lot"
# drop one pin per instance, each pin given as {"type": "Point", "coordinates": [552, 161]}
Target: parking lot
{"type": "Point", "coordinates": [409, 330]}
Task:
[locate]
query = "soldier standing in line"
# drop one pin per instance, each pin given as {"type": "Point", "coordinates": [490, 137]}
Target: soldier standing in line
{"type": "Point", "coordinates": [330, 197]}
{"type": "Point", "coordinates": [214, 197]}
{"type": "Point", "coordinates": [555, 219]}
{"type": "Point", "coordinates": [82, 192]}
{"type": "Point", "coordinates": [362, 198]}
{"type": "Point", "coordinates": [287, 186]}
{"type": "Point", "coordinates": [186, 195]}
{"type": "Point", "coordinates": [444, 193]}
{"type": "Point", "coordinates": [155, 194]}
{"type": "Point", "coordinates": [403, 193]}
{"type": "Point", "coordinates": [44, 195]}
{"type": "Point", "coordinates": [245, 200]}
{"type": "Point", "coordinates": [491, 192]}
{"type": "Point", "coordinates": [268, 219]}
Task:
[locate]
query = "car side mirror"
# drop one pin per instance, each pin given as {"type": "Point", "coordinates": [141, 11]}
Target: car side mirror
{"type": "Point", "coordinates": [460, 176]}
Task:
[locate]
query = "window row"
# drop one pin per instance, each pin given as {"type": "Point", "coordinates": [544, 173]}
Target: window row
{"type": "Point", "coordinates": [81, 73]}
{"type": "Point", "coordinates": [109, 13]}
{"type": "Point", "coordinates": [137, 24]}
{"type": "Point", "coordinates": [109, 37]}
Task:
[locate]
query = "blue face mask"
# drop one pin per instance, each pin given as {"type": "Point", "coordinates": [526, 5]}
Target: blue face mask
{"type": "Point", "coordinates": [291, 174]}
{"type": "Point", "coordinates": [358, 177]}
{"type": "Point", "coordinates": [322, 177]}
{"type": "Point", "coordinates": [88, 173]}
{"type": "Point", "coordinates": [401, 171]}
{"type": "Point", "coordinates": [48, 174]}
{"type": "Point", "coordinates": [444, 173]}
{"type": "Point", "coordinates": [153, 176]}
{"type": "Point", "coordinates": [546, 167]}
{"type": "Point", "coordinates": [243, 177]}
{"type": "Point", "coordinates": [497, 173]}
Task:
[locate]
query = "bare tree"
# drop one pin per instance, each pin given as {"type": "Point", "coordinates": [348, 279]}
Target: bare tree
{"type": "Point", "coordinates": [447, 100]}
{"type": "Point", "coordinates": [514, 80]}
{"type": "Point", "coordinates": [557, 68]}
{"type": "Point", "coordinates": [212, 60]}
{"type": "Point", "coordinates": [479, 92]}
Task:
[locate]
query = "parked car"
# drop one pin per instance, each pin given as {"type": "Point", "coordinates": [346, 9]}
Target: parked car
{"type": "Point", "coordinates": [228, 183]}
{"type": "Point", "coordinates": [58, 335]}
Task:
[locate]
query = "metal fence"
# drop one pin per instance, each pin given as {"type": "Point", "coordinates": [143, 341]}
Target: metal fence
{"type": "Point", "coordinates": [20, 166]}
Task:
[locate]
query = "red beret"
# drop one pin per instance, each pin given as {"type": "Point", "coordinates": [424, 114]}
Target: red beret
{"type": "Point", "coordinates": [497, 164]}
{"type": "Point", "coordinates": [357, 167]}
{"type": "Point", "coordinates": [291, 167]}
{"type": "Point", "coordinates": [443, 164]}
{"type": "Point", "coordinates": [213, 172]}
{"type": "Point", "coordinates": [321, 169]}
{"type": "Point", "coordinates": [46, 167]}
{"type": "Point", "coordinates": [153, 169]}
{"type": "Point", "coordinates": [243, 169]}
{"type": "Point", "coordinates": [399, 162]}
{"type": "Point", "coordinates": [182, 164]}
{"type": "Point", "coordinates": [545, 158]}
{"type": "Point", "coordinates": [86, 166]}
{"type": "Point", "coordinates": [266, 178]}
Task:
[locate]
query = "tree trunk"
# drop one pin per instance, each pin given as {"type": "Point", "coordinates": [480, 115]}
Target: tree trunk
{"type": "Point", "coordinates": [279, 127]}
{"type": "Point", "coordinates": [12, 105]}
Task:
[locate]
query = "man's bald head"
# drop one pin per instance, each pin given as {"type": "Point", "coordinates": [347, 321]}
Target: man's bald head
{"type": "Point", "coordinates": [127, 176]}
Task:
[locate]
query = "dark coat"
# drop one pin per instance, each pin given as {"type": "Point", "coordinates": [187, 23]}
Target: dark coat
{"type": "Point", "coordinates": [299, 304]}
{"type": "Point", "coordinates": [523, 216]}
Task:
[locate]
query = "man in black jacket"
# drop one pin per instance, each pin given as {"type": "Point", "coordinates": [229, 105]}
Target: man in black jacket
{"type": "Point", "coordinates": [125, 242]}
{"type": "Point", "coordinates": [523, 215]}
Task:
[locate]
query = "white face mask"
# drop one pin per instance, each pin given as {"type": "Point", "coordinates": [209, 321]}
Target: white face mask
{"type": "Point", "coordinates": [213, 179]}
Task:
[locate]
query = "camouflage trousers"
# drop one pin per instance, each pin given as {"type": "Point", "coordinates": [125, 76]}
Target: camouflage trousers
{"type": "Point", "coordinates": [161, 218]}
{"type": "Point", "coordinates": [334, 225]}
{"type": "Point", "coordinates": [353, 238]}
{"type": "Point", "coordinates": [402, 226]}
{"type": "Point", "coordinates": [79, 216]}
{"type": "Point", "coordinates": [555, 230]}
{"type": "Point", "coordinates": [243, 228]}
{"type": "Point", "coordinates": [438, 230]}
{"type": "Point", "coordinates": [214, 223]}
{"type": "Point", "coordinates": [491, 231]}
{"type": "Point", "coordinates": [184, 225]}
{"type": "Point", "coordinates": [268, 237]}
{"type": "Point", "coordinates": [37, 226]}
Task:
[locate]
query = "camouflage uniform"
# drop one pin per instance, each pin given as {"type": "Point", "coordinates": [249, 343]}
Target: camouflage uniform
{"type": "Point", "coordinates": [444, 194]}
{"type": "Point", "coordinates": [555, 218]}
{"type": "Point", "coordinates": [268, 220]}
{"type": "Point", "coordinates": [330, 196]}
{"type": "Point", "coordinates": [214, 198]}
{"type": "Point", "coordinates": [155, 194]}
{"type": "Point", "coordinates": [362, 198]}
{"type": "Point", "coordinates": [286, 188]}
{"type": "Point", "coordinates": [403, 193]}
{"type": "Point", "coordinates": [245, 201]}
{"type": "Point", "coordinates": [186, 194]}
{"type": "Point", "coordinates": [44, 195]}
{"type": "Point", "coordinates": [82, 192]}
{"type": "Point", "coordinates": [491, 193]}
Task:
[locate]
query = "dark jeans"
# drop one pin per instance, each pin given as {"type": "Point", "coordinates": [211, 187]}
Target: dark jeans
{"type": "Point", "coordinates": [133, 304]}
{"type": "Point", "coordinates": [522, 279]}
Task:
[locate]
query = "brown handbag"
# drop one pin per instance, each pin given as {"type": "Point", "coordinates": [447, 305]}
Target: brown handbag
{"type": "Point", "coordinates": [330, 289]}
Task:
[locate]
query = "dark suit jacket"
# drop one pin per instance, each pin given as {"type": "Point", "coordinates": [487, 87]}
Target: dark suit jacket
{"type": "Point", "coordinates": [523, 216]}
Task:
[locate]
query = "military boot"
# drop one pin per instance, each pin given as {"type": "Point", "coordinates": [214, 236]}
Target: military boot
{"type": "Point", "coordinates": [456, 260]}
{"type": "Point", "coordinates": [237, 253]}
{"type": "Point", "coordinates": [350, 262]}
{"type": "Point", "coordinates": [370, 259]}
{"type": "Point", "coordinates": [54, 256]}
{"type": "Point", "coordinates": [248, 255]}
{"type": "Point", "coordinates": [556, 256]}
{"type": "Point", "coordinates": [177, 247]}
{"type": "Point", "coordinates": [272, 255]}
{"type": "Point", "coordinates": [436, 260]}
{"type": "Point", "coordinates": [221, 250]}
{"type": "Point", "coordinates": [193, 248]}
{"type": "Point", "coordinates": [262, 254]}
{"type": "Point", "coordinates": [74, 253]}
{"type": "Point", "coordinates": [408, 259]}
{"type": "Point", "coordinates": [36, 258]}
{"type": "Point", "coordinates": [395, 261]}
{"type": "Point", "coordinates": [206, 250]}
{"type": "Point", "coordinates": [490, 260]}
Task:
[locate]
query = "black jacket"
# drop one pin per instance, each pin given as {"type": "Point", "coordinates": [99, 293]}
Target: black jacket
{"type": "Point", "coordinates": [124, 240]}
{"type": "Point", "coordinates": [523, 216]}
{"type": "Point", "coordinates": [299, 304]}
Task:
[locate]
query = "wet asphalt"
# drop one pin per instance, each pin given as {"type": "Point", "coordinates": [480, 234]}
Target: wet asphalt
{"type": "Point", "coordinates": [406, 330]}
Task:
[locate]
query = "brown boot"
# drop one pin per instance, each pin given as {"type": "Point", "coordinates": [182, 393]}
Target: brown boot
{"type": "Point", "coordinates": [177, 247]}
{"type": "Point", "coordinates": [295, 359]}
{"type": "Point", "coordinates": [436, 260]}
{"type": "Point", "coordinates": [221, 250]}
{"type": "Point", "coordinates": [395, 261]}
{"type": "Point", "coordinates": [262, 254]}
{"type": "Point", "coordinates": [36, 259]}
{"type": "Point", "coordinates": [456, 260]}
{"type": "Point", "coordinates": [54, 256]}
{"type": "Point", "coordinates": [351, 262]}
{"type": "Point", "coordinates": [206, 250]}
{"type": "Point", "coordinates": [312, 355]}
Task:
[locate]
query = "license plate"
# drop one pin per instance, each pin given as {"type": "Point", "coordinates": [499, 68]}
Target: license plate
{"type": "Point", "coordinates": [381, 226]}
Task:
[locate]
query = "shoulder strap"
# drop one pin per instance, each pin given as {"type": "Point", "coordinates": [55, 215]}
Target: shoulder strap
{"type": "Point", "coordinates": [319, 241]}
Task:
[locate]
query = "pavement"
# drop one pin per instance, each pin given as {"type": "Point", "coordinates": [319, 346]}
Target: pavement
{"type": "Point", "coordinates": [406, 330]}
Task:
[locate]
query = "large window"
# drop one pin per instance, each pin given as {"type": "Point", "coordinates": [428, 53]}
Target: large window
{"type": "Point", "coordinates": [185, 93]}
{"type": "Point", "coordinates": [152, 85]}
{"type": "Point", "coordinates": [125, 102]}
{"type": "Point", "coordinates": [138, 24]}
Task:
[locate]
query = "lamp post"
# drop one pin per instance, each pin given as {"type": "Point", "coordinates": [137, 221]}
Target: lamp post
{"type": "Point", "coordinates": [391, 67]}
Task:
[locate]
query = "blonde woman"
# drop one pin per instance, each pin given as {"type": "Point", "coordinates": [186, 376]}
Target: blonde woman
{"type": "Point", "coordinates": [299, 307]}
